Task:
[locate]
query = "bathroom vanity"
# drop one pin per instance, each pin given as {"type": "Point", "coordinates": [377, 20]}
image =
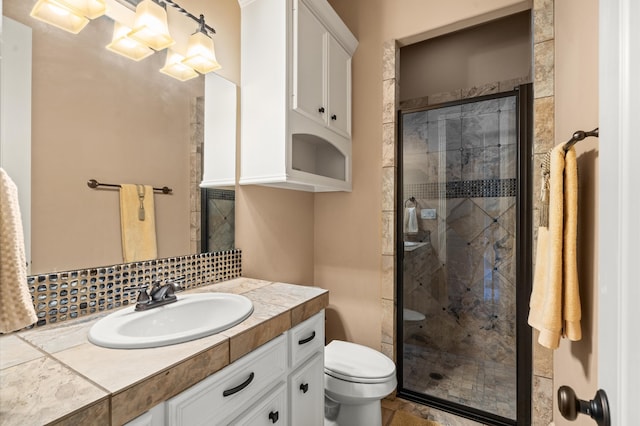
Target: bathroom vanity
{"type": "Point", "coordinates": [281, 382]}
{"type": "Point", "coordinates": [55, 375]}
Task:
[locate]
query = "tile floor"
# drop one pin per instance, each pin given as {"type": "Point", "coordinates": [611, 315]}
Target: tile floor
{"type": "Point", "coordinates": [477, 383]}
{"type": "Point", "coordinates": [419, 415]}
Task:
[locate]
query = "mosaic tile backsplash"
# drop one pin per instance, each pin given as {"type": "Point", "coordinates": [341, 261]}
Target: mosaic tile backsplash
{"type": "Point", "coordinates": [62, 296]}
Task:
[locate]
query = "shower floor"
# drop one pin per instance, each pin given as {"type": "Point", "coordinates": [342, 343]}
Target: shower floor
{"type": "Point", "coordinates": [485, 385]}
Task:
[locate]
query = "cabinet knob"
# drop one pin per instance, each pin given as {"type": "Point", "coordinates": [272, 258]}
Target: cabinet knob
{"type": "Point", "coordinates": [273, 416]}
{"type": "Point", "coordinates": [334, 117]}
{"type": "Point", "coordinates": [304, 387]}
{"type": "Point", "coordinates": [321, 110]}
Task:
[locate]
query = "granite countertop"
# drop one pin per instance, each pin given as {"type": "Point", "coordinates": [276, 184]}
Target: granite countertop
{"type": "Point", "coordinates": [55, 375]}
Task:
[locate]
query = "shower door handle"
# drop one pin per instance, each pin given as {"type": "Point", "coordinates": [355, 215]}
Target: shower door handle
{"type": "Point", "coordinates": [570, 406]}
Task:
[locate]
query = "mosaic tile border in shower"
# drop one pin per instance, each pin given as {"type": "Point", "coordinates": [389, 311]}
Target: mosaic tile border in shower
{"type": "Point", "coordinates": [463, 189]}
{"type": "Point", "coordinates": [62, 296]}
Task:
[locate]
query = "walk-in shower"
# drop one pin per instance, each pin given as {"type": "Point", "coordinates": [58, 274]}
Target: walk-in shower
{"type": "Point", "coordinates": [464, 256]}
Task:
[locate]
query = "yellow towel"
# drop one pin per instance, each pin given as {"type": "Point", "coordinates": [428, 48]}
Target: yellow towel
{"type": "Point", "coordinates": [555, 300]}
{"type": "Point", "coordinates": [16, 306]}
{"type": "Point", "coordinates": [138, 224]}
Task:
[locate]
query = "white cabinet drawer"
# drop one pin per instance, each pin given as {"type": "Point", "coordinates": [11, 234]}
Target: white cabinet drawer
{"type": "Point", "coordinates": [230, 389]}
{"type": "Point", "coordinates": [305, 339]}
{"type": "Point", "coordinates": [272, 410]}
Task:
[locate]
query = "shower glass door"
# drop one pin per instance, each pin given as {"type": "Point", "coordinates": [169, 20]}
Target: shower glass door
{"type": "Point", "coordinates": [458, 282]}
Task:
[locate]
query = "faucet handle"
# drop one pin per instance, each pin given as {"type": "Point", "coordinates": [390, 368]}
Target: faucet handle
{"type": "Point", "coordinates": [175, 283]}
{"type": "Point", "coordinates": [143, 294]}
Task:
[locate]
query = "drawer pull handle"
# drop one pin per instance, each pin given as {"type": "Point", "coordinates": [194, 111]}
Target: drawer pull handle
{"type": "Point", "coordinates": [308, 339]}
{"type": "Point", "coordinates": [321, 110]}
{"type": "Point", "coordinates": [238, 388]}
{"type": "Point", "coordinates": [304, 387]}
{"type": "Point", "coordinates": [334, 117]}
{"type": "Point", "coordinates": [273, 416]}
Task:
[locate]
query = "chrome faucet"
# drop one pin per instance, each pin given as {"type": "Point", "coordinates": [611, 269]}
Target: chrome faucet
{"type": "Point", "coordinates": [160, 293]}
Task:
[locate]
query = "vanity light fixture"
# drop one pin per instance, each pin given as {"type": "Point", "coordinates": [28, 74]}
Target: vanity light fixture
{"type": "Point", "coordinates": [201, 54]}
{"type": "Point", "coordinates": [69, 15]}
{"type": "Point", "coordinates": [174, 67]}
{"type": "Point", "coordinates": [150, 26]}
{"type": "Point", "coordinates": [149, 32]}
{"type": "Point", "coordinates": [125, 46]}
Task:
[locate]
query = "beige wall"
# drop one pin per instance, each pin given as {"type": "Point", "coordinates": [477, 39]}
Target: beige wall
{"type": "Point", "coordinates": [98, 115]}
{"type": "Point", "coordinates": [576, 98]}
{"type": "Point", "coordinates": [499, 51]}
{"type": "Point", "coordinates": [274, 230]}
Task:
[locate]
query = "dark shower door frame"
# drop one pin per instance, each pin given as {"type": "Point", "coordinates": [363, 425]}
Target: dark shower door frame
{"type": "Point", "coordinates": [524, 206]}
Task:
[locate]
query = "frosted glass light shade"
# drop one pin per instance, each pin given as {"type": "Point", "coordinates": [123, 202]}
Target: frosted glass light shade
{"type": "Point", "coordinates": [150, 26]}
{"type": "Point", "coordinates": [125, 46]}
{"type": "Point", "coordinates": [174, 67]}
{"type": "Point", "coordinates": [92, 9]}
{"type": "Point", "coordinates": [201, 54]}
{"type": "Point", "coordinates": [57, 14]}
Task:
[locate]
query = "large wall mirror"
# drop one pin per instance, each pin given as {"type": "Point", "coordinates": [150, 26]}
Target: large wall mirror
{"type": "Point", "coordinates": [97, 115]}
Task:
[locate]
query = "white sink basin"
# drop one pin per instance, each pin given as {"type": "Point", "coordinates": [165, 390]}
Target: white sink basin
{"type": "Point", "coordinates": [193, 316]}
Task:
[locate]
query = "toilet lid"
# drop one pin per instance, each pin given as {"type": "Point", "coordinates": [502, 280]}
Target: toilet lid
{"type": "Point", "coordinates": [357, 363]}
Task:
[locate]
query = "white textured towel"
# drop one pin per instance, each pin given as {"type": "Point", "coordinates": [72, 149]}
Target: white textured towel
{"type": "Point", "coordinates": [16, 306]}
{"type": "Point", "coordinates": [410, 220]}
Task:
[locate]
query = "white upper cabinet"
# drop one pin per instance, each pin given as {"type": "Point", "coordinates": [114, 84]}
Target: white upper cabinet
{"type": "Point", "coordinates": [296, 95]}
{"type": "Point", "coordinates": [220, 110]}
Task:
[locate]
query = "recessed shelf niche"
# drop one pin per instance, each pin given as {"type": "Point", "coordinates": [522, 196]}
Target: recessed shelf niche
{"type": "Point", "coordinates": [312, 154]}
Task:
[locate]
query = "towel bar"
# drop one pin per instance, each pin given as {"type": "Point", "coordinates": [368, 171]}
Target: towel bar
{"type": "Point", "coordinates": [92, 183]}
{"type": "Point", "coordinates": [578, 136]}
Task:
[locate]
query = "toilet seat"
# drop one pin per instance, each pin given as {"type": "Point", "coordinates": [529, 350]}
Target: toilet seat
{"type": "Point", "coordinates": [357, 363]}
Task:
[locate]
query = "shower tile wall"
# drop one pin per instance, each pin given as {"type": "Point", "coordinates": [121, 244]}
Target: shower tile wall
{"type": "Point", "coordinates": [461, 161]}
{"type": "Point", "coordinates": [220, 211]}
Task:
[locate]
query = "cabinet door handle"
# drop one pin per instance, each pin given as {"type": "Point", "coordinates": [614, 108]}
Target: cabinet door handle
{"type": "Point", "coordinates": [334, 117]}
{"type": "Point", "coordinates": [321, 110]}
{"type": "Point", "coordinates": [308, 339]}
{"type": "Point", "coordinates": [273, 416]}
{"type": "Point", "coordinates": [304, 387]}
{"type": "Point", "coordinates": [238, 388]}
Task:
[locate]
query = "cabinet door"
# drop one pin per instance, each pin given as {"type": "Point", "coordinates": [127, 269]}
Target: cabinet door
{"type": "Point", "coordinates": [308, 64]}
{"type": "Point", "coordinates": [306, 393]}
{"type": "Point", "coordinates": [272, 410]}
{"type": "Point", "coordinates": [339, 113]}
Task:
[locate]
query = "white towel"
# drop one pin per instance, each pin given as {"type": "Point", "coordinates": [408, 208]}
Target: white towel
{"type": "Point", "coordinates": [410, 220]}
{"type": "Point", "coordinates": [16, 306]}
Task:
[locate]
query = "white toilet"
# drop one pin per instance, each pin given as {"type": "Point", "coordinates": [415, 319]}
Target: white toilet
{"type": "Point", "coordinates": [356, 378]}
